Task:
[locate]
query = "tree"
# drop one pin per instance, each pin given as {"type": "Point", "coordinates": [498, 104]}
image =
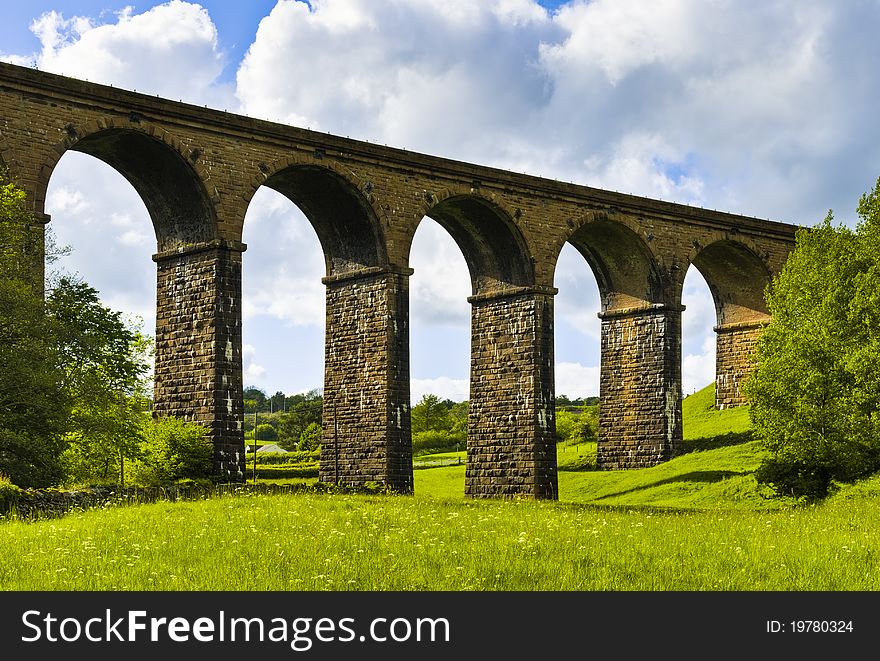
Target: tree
{"type": "Point", "coordinates": [104, 361]}
{"type": "Point", "coordinates": [34, 405]}
{"type": "Point", "coordinates": [303, 410]}
{"type": "Point", "coordinates": [73, 375]}
{"type": "Point", "coordinates": [310, 439]}
{"type": "Point", "coordinates": [815, 390]}
{"type": "Point", "coordinates": [277, 401]}
{"type": "Point", "coordinates": [575, 427]}
{"type": "Point", "coordinates": [431, 414]}
{"type": "Point", "coordinates": [265, 432]}
{"type": "Point", "coordinates": [259, 396]}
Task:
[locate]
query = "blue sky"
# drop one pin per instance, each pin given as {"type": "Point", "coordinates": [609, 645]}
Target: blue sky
{"type": "Point", "coordinates": [766, 110]}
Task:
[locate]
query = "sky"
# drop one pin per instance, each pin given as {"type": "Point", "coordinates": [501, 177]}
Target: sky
{"type": "Point", "coordinates": [766, 109]}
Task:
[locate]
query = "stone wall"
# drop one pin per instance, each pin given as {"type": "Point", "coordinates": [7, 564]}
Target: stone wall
{"type": "Point", "coordinates": [735, 346]}
{"type": "Point", "coordinates": [511, 421]}
{"type": "Point", "coordinates": [366, 415]}
{"type": "Point", "coordinates": [198, 347]}
{"type": "Point", "coordinates": [640, 387]}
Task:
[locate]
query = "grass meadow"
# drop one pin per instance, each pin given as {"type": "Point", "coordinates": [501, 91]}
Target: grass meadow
{"type": "Point", "coordinates": [697, 522]}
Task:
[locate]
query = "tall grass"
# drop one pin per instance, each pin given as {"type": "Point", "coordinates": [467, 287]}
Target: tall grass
{"type": "Point", "coordinates": [697, 522]}
{"type": "Point", "coordinates": [335, 542]}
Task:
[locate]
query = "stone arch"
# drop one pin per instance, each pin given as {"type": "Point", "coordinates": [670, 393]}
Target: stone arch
{"type": "Point", "coordinates": [626, 271]}
{"type": "Point", "coordinates": [173, 184]}
{"type": "Point", "coordinates": [494, 248]}
{"type": "Point", "coordinates": [338, 206]}
{"type": "Point", "coordinates": [737, 277]}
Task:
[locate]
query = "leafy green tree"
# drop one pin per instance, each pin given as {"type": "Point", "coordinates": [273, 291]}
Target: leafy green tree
{"type": "Point", "coordinates": [815, 390]}
{"type": "Point", "coordinates": [73, 374]}
{"type": "Point", "coordinates": [576, 427]}
{"type": "Point", "coordinates": [303, 410]}
{"type": "Point", "coordinates": [105, 361]}
{"type": "Point", "coordinates": [458, 415]}
{"type": "Point", "coordinates": [266, 432]}
{"type": "Point", "coordinates": [310, 439]}
{"type": "Point", "coordinates": [259, 396]}
{"type": "Point", "coordinates": [431, 414]}
{"type": "Point", "coordinates": [34, 405]}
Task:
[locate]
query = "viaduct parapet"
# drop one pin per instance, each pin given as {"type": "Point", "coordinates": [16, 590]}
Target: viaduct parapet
{"type": "Point", "coordinates": [197, 169]}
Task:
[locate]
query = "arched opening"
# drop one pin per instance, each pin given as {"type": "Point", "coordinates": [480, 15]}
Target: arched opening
{"type": "Point", "coordinates": [737, 278]}
{"type": "Point", "coordinates": [639, 385]}
{"type": "Point", "coordinates": [174, 195]}
{"type": "Point", "coordinates": [509, 424]}
{"type": "Point", "coordinates": [625, 272]}
{"type": "Point", "coordinates": [364, 408]}
{"type": "Point", "coordinates": [577, 337]}
{"type": "Point", "coordinates": [103, 193]}
{"type": "Point", "coordinates": [282, 338]}
{"type": "Point", "coordinates": [697, 335]}
{"type": "Point", "coordinates": [342, 218]}
{"type": "Point", "coordinates": [99, 215]}
{"type": "Point", "coordinates": [439, 359]}
{"type": "Point", "coordinates": [491, 244]}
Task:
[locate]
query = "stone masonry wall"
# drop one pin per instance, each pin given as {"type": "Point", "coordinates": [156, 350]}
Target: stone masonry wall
{"type": "Point", "coordinates": [511, 423]}
{"type": "Point", "coordinates": [640, 388]}
{"type": "Point", "coordinates": [198, 347]}
{"type": "Point", "coordinates": [734, 346]}
{"type": "Point", "coordinates": [366, 382]}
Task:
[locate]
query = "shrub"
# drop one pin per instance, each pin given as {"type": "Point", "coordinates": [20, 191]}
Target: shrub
{"type": "Point", "coordinates": [800, 479]}
{"type": "Point", "coordinates": [425, 442]}
{"type": "Point", "coordinates": [266, 432]}
{"type": "Point", "coordinates": [8, 493]}
{"type": "Point", "coordinates": [173, 450]}
{"type": "Point", "coordinates": [576, 427]}
{"type": "Point", "coordinates": [310, 438]}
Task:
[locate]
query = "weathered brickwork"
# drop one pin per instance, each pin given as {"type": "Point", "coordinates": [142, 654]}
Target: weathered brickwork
{"type": "Point", "coordinates": [366, 382]}
{"type": "Point", "coordinates": [640, 387]}
{"type": "Point", "coordinates": [735, 347]}
{"type": "Point", "coordinates": [197, 170]}
{"type": "Point", "coordinates": [511, 421]}
{"type": "Point", "coordinates": [198, 347]}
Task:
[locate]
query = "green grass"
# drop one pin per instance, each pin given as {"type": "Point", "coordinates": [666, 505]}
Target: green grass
{"type": "Point", "coordinates": [336, 542]}
{"type": "Point", "coordinates": [696, 522]}
{"type": "Point", "coordinates": [714, 469]}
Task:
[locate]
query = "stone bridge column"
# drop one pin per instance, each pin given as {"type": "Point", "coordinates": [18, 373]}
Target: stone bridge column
{"type": "Point", "coordinates": [366, 412]}
{"type": "Point", "coordinates": [511, 420]}
{"type": "Point", "coordinates": [734, 346]}
{"type": "Point", "coordinates": [198, 346]}
{"type": "Point", "coordinates": [640, 386]}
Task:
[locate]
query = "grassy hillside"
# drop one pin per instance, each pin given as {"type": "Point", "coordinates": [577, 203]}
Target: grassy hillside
{"type": "Point", "coordinates": [715, 468]}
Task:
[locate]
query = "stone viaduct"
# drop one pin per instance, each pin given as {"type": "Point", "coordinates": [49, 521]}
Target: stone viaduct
{"type": "Point", "coordinates": [197, 169]}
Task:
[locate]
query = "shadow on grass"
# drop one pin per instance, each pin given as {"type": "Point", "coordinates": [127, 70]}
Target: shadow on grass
{"type": "Point", "coordinates": [715, 442]}
{"type": "Point", "coordinates": [694, 476]}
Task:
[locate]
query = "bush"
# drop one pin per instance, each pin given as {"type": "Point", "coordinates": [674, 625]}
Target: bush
{"type": "Point", "coordinates": [426, 442]}
{"type": "Point", "coordinates": [576, 428]}
{"type": "Point", "coordinates": [800, 479]}
{"type": "Point", "coordinates": [310, 439]}
{"type": "Point", "coordinates": [8, 493]}
{"type": "Point", "coordinates": [173, 450]}
{"type": "Point", "coordinates": [266, 432]}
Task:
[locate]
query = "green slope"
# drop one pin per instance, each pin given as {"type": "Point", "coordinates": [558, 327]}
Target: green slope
{"type": "Point", "coordinates": [714, 469]}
